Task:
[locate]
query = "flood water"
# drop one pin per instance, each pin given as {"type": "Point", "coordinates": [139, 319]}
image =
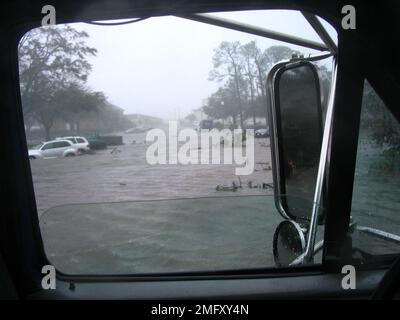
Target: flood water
{"type": "Point", "coordinates": [98, 214]}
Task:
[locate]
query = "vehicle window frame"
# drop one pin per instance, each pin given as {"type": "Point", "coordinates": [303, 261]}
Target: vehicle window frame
{"type": "Point", "coordinates": [239, 273]}
{"type": "Point", "coordinates": [29, 213]}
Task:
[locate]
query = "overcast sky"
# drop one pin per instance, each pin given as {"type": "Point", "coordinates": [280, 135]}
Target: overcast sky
{"type": "Point", "coordinates": [160, 66]}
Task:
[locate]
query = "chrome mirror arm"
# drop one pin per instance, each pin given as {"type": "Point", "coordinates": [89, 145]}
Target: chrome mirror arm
{"type": "Point", "coordinates": [312, 231]}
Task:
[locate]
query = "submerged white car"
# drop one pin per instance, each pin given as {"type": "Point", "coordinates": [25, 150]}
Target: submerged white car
{"type": "Point", "coordinates": [261, 133]}
{"type": "Point", "coordinates": [79, 142]}
{"type": "Point", "coordinates": [53, 149]}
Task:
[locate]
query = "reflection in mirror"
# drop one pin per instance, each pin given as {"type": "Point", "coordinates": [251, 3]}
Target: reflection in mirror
{"type": "Point", "coordinates": [289, 243]}
{"type": "Point", "coordinates": [301, 134]}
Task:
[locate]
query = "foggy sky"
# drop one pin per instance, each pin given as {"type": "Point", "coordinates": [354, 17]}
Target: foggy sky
{"type": "Point", "coordinates": [160, 66]}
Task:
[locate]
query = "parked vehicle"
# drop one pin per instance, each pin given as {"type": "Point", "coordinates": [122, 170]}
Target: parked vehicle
{"type": "Point", "coordinates": [80, 142]}
{"type": "Point", "coordinates": [96, 144]}
{"type": "Point", "coordinates": [52, 149]}
{"type": "Point", "coordinates": [261, 133]}
{"type": "Point", "coordinates": [206, 124]}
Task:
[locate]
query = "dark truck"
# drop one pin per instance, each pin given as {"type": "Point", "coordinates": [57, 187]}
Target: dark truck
{"type": "Point", "coordinates": [206, 124]}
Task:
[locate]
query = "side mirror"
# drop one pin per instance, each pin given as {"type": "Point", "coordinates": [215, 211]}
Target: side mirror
{"type": "Point", "coordinates": [295, 120]}
{"type": "Point", "coordinates": [289, 243]}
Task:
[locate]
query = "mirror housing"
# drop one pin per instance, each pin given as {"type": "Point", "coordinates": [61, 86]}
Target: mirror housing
{"type": "Point", "coordinates": [296, 129]}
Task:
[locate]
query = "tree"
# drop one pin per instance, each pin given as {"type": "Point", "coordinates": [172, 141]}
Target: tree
{"type": "Point", "coordinates": [228, 64]}
{"type": "Point", "coordinates": [223, 103]}
{"type": "Point", "coordinates": [76, 102]}
{"type": "Point", "coordinates": [378, 122]}
{"type": "Point", "coordinates": [279, 53]}
{"type": "Point", "coordinates": [111, 118]}
{"type": "Point", "coordinates": [244, 69]}
{"type": "Point", "coordinates": [50, 58]}
{"type": "Point", "coordinates": [257, 64]}
{"type": "Point", "coordinates": [249, 53]}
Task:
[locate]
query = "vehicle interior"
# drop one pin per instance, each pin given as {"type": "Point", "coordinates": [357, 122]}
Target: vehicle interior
{"type": "Point", "coordinates": [323, 196]}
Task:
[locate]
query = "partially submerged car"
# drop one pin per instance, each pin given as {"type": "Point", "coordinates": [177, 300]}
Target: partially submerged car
{"type": "Point", "coordinates": [53, 149]}
{"type": "Point", "coordinates": [79, 142]}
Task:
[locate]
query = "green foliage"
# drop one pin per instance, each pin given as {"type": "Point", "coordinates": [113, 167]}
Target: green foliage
{"type": "Point", "coordinates": [380, 127]}
{"type": "Point", "coordinates": [52, 60]}
{"type": "Point", "coordinates": [278, 53]}
{"type": "Point", "coordinates": [380, 124]}
{"type": "Point", "coordinates": [243, 69]}
{"type": "Point", "coordinates": [223, 103]}
{"type": "Point", "coordinates": [54, 68]}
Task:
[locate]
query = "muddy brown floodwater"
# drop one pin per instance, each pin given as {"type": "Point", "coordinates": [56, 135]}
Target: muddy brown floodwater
{"type": "Point", "coordinates": [97, 217]}
{"type": "Point", "coordinates": [125, 175]}
{"type": "Point", "coordinates": [113, 213]}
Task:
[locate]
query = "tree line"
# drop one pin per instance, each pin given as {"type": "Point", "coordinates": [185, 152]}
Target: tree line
{"type": "Point", "coordinates": [54, 68]}
{"type": "Point", "coordinates": [242, 70]}
{"type": "Point", "coordinates": [377, 124]}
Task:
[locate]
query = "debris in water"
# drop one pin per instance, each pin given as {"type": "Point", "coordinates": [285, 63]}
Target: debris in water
{"type": "Point", "coordinates": [267, 186]}
{"type": "Point", "coordinates": [267, 167]}
{"type": "Point", "coordinates": [234, 187]}
{"type": "Point", "coordinates": [115, 150]}
{"type": "Point", "coordinates": [251, 185]}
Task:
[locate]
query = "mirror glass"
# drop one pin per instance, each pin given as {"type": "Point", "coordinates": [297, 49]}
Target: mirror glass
{"type": "Point", "coordinates": [289, 243]}
{"type": "Point", "coordinates": [299, 111]}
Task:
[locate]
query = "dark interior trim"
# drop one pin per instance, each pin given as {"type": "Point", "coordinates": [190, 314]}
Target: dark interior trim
{"type": "Point", "coordinates": [20, 240]}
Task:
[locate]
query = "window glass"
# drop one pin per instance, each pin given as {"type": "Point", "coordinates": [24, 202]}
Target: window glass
{"type": "Point", "coordinates": [48, 146]}
{"type": "Point", "coordinates": [60, 144]}
{"type": "Point", "coordinates": [157, 192]}
{"type": "Point", "coordinates": [80, 140]}
{"type": "Point", "coordinates": [376, 194]}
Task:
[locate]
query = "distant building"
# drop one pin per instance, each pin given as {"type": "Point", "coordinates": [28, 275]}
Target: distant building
{"type": "Point", "coordinates": [143, 121]}
{"type": "Point", "coordinates": [109, 119]}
